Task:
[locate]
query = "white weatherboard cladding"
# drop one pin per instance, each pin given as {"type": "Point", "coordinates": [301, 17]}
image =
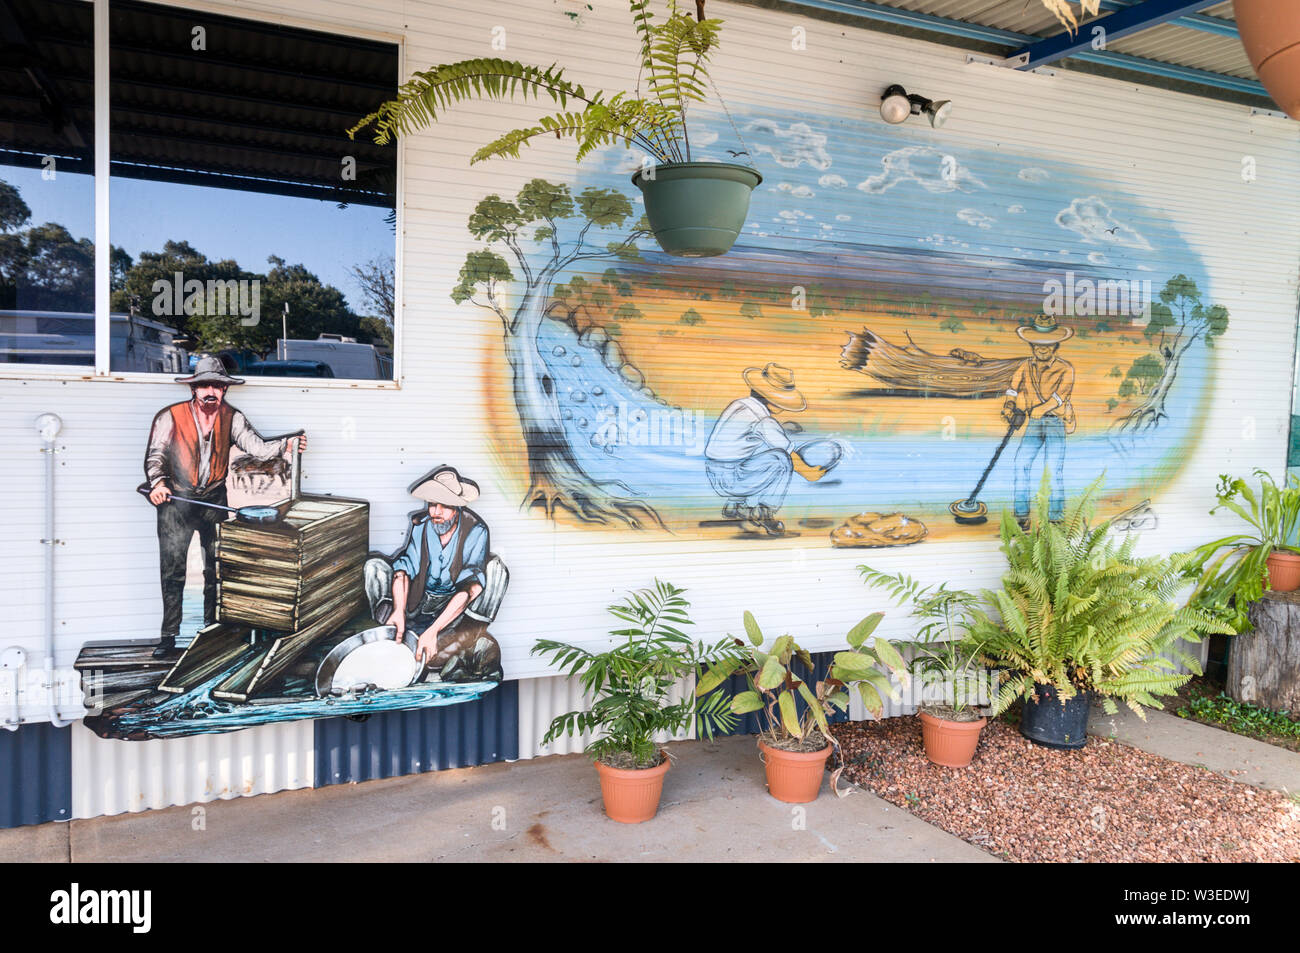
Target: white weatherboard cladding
{"type": "Point", "coordinates": [1173, 152]}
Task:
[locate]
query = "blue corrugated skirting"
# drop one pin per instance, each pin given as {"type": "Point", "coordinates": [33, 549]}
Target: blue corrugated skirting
{"type": "Point", "coordinates": [35, 775]}
{"type": "Point", "coordinates": [752, 723]}
{"type": "Point", "coordinates": [394, 743]}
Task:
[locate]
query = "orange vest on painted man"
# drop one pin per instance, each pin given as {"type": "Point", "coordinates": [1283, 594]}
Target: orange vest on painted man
{"type": "Point", "coordinates": [183, 455]}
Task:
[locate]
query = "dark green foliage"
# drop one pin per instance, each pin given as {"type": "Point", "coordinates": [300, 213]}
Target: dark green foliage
{"type": "Point", "coordinates": [1243, 719]}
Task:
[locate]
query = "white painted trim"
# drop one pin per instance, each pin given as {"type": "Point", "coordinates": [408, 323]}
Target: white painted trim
{"type": "Point", "coordinates": [103, 248]}
{"type": "Point", "coordinates": [49, 372]}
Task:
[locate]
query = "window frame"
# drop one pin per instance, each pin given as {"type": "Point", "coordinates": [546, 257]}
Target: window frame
{"type": "Point", "coordinates": [102, 370]}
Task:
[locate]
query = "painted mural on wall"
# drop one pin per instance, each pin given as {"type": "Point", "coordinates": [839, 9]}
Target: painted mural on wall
{"type": "Point", "coordinates": [907, 335]}
{"type": "Point", "coordinates": [295, 617]}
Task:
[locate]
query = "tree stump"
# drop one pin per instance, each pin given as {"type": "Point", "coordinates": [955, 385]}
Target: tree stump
{"type": "Point", "coordinates": [1264, 664]}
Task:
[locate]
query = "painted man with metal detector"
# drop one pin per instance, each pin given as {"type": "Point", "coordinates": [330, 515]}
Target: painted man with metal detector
{"type": "Point", "coordinates": [1041, 390]}
{"type": "Point", "coordinates": [1039, 400]}
{"type": "Point", "coordinates": [185, 470]}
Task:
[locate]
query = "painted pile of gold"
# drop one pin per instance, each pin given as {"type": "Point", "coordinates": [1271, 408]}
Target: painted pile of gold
{"type": "Point", "coordinates": [877, 529]}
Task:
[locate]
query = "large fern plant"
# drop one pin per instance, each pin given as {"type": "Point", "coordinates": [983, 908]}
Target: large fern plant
{"type": "Point", "coordinates": [1080, 612]}
{"type": "Point", "coordinates": [630, 687]}
{"type": "Point", "coordinates": [674, 72]}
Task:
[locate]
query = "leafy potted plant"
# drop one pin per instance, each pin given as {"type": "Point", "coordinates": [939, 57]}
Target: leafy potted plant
{"type": "Point", "coordinates": [696, 209]}
{"type": "Point", "coordinates": [1080, 617]}
{"type": "Point", "coordinates": [945, 665]}
{"type": "Point", "coordinates": [1232, 569]}
{"type": "Point", "coordinates": [795, 744]}
{"type": "Point", "coordinates": [629, 689]}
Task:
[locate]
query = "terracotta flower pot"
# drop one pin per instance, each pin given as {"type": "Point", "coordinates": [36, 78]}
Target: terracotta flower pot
{"type": "Point", "coordinates": [1270, 32]}
{"type": "Point", "coordinates": [794, 776]}
{"type": "Point", "coordinates": [1283, 571]}
{"type": "Point", "coordinates": [632, 794]}
{"type": "Point", "coordinates": [950, 743]}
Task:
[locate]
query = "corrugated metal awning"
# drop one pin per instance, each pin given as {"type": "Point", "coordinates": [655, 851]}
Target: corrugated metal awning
{"type": "Point", "coordinates": [1198, 53]}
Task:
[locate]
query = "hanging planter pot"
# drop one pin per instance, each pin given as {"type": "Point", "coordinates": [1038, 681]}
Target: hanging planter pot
{"type": "Point", "coordinates": [697, 209]}
{"type": "Point", "coordinates": [1270, 32]}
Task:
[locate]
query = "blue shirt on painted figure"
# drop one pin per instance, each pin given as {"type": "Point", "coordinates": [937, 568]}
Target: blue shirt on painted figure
{"type": "Point", "coordinates": [473, 562]}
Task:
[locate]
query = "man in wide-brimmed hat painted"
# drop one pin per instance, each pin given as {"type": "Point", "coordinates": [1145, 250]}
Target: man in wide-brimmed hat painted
{"type": "Point", "coordinates": [430, 582]}
{"type": "Point", "coordinates": [748, 456]}
{"type": "Point", "coordinates": [189, 455]}
{"type": "Point", "coordinates": [1039, 395]}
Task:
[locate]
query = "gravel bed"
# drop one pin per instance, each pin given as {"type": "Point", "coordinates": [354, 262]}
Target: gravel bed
{"type": "Point", "coordinates": [1105, 803]}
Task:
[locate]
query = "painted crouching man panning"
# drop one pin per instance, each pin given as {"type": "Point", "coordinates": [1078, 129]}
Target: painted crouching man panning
{"type": "Point", "coordinates": [188, 457]}
{"type": "Point", "coordinates": [442, 581]}
{"type": "Point", "coordinates": [749, 458]}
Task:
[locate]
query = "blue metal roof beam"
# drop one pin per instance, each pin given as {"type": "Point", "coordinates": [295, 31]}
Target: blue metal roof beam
{"type": "Point", "coordinates": [1192, 21]}
{"type": "Point", "coordinates": [946, 26]}
{"type": "Point", "coordinates": [1121, 23]}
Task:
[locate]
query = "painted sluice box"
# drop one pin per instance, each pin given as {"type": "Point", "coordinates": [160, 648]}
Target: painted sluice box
{"type": "Point", "coordinates": [291, 607]}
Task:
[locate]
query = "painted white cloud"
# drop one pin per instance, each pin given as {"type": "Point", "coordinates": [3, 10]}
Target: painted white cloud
{"type": "Point", "coordinates": [792, 146]}
{"type": "Point", "coordinates": [1016, 209]}
{"type": "Point", "coordinates": [833, 181]}
{"type": "Point", "coordinates": [1034, 174]}
{"type": "Point", "coordinates": [1092, 220]}
{"type": "Point", "coordinates": [793, 214]}
{"type": "Point", "coordinates": [704, 138]}
{"type": "Point", "coordinates": [1098, 258]}
{"type": "Point", "coordinates": [931, 169]}
{"type": "Point", "coordinates": [629, 161]}
{"type": "Point", "coordinates": [798, 191]}
{"type": "Point", "coordinates": [976, 218]}
{"type": "Point", "coordinates": [843, 218]}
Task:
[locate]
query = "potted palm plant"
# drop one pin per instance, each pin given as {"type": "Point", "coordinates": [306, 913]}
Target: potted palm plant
{"type": "Point", "coordinates": [629, 691]}
{"type": "Point", "coordinates": [1079, 617]}
{"type": "Point", "coordinates": [1233, 569]}
{"type": "Point", "coordinates": [795, 744]}
{"type": "Point", "coordinates": [696, 209]}
{"type": "Point", "coordinates": [945, 665]}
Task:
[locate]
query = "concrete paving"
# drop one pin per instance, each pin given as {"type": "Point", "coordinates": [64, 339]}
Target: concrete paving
{"type": "Point", "coordinates": [1180, 739]}
{"type": "Point", "coordinates": [715, 808]}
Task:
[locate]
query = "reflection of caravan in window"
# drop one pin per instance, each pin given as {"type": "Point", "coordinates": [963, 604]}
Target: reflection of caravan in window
{"type": "Point", "coordinates": [344, 356]}
{"type": "Point", "coordinates": [138, 344]}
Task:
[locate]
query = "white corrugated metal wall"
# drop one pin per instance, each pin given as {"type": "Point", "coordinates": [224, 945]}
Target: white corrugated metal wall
{"type": "Point", "coordinates": [1176, 153]}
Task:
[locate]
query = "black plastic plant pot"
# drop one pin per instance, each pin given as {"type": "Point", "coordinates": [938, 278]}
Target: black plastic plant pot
{"type": "Point", "coordinates": [697, 209]}
{"type": "Point", "coordinates": [1046, 721]}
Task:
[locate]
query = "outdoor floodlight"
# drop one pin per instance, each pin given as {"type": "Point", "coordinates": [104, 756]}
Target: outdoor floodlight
{"type": "Point", "coordinates": [897, 104]}
{"type": "Point", "coordinates": [895, 107]}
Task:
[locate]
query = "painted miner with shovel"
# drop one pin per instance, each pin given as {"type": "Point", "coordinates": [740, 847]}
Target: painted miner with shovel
{"type": "Point", "coordinates": [185, 471]}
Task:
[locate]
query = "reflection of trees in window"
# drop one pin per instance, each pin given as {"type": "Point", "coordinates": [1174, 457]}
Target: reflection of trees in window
{"type": "Point", "coordinates": [314, 307]}
{"type": "Point", "coordinates": [377, 281]}
{"type": "Point", "coordinates": [44, 267]}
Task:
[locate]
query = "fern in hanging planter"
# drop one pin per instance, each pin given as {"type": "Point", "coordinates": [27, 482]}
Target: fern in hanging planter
{"type": "Point", "coordinates": [696, 209]}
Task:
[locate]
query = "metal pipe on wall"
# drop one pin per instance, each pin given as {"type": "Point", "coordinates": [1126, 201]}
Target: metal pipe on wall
{"type": "Point", "coordinates": [48, 426]}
